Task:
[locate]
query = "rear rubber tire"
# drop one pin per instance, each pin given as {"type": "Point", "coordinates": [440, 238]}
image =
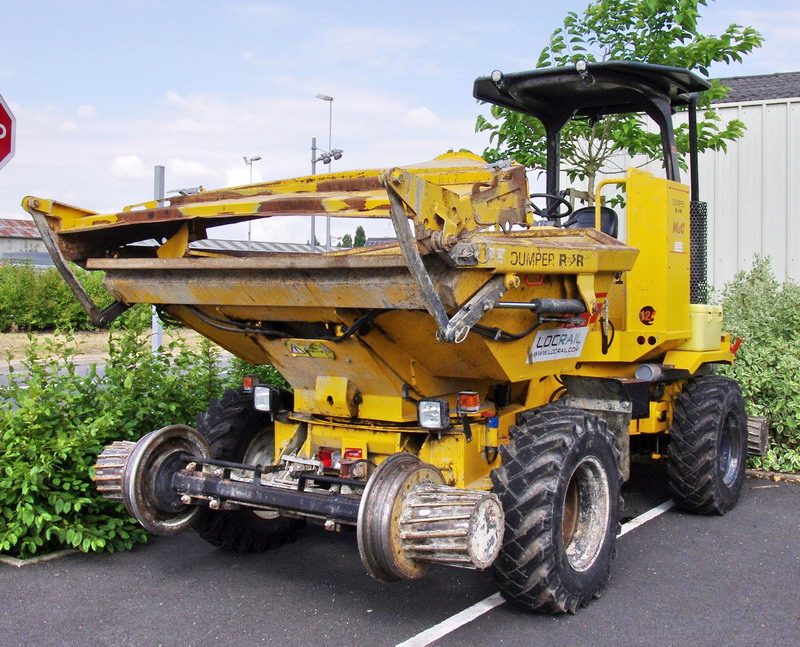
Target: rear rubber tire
{"type": "Point", "coordinates": [230, 425]}
{"type": "Point", "coordinates": [560, 460]}
{"type": "Point", "coordinates": [708, 446]}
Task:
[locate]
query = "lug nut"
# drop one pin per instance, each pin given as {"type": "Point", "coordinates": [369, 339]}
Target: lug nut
{"type": "Point", "coordinates": [214, 504]}
{"type": "Point", "coordinates": [186, 499]}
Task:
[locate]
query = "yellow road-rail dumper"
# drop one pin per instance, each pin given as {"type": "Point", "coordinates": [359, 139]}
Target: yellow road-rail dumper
{"type": "Point", "coordinates": [467, 395]}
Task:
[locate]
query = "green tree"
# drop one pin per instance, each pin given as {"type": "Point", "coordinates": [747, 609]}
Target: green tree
{"type": "Point", "coordinates": [347, 241]}
{"type": "Point", "coordinates": [664, 32]}
{"type": "Point", "coordinates": [360, 238]}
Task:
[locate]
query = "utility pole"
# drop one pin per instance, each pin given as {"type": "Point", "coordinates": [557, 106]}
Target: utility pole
{"type": "Point", "coordinates": [249, 161]}
{"type": "Point", "coordinates": [313, 241]}
{"type": "Point", "coordinates": [156, 329]}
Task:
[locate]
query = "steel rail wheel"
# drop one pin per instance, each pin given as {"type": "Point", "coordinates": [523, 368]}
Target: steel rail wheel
{"type": "Point", "coordinates": [140, 476]}
{"type": "Point", "coordinates": [378, 530]}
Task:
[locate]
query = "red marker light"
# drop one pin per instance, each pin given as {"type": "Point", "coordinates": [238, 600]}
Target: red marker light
{"type": "Point", "coordinates": [353, 452]}
{"type": "Point", "coordinates": [469, 402]}
{"type": "Point", "coordinates": [326, 457]}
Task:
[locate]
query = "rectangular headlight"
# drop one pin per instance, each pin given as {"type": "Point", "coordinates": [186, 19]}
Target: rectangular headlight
{"type": "Point", "coordinates": [433, 414]}
{"type": "Point", "coordinates": [266, 398]}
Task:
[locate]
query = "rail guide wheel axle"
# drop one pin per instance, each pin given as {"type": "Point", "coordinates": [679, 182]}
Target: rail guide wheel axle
{"type": "Point", "coordinates": [409, 519]}
{"type": "Point", "coordinates": [139, 474]}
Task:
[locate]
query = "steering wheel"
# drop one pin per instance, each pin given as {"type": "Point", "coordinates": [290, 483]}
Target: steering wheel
{"type": "Point", "coordinates": [559, 202]}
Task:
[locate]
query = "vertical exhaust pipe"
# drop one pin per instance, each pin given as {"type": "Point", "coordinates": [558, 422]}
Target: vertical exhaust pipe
{"type": "Point", "coordinates": [698, 218]}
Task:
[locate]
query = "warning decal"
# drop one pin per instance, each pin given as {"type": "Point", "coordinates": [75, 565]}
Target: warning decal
{"type": "Point", "coordinates": [557, 343]}
{"type": "Point", "coordinates": [304, 349]}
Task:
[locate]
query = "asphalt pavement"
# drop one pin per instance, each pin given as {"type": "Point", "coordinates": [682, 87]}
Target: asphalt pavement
{"type": "Point", "coordinates": [679, 579]}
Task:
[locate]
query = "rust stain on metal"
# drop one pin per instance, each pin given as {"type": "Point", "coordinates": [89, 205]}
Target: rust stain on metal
{"type": "Point", "coordinates": [167, 213]}
{"type": "Point", "coordinates": [369, 183]}
{"type": "Point", "coordinates": [356, 203]}
{"type": "Point", "coordinates": [228, 194]}
{"type": "Point", "coordinates": [292, 204]}
{"type": "Point", "coordinates": [481, 189]}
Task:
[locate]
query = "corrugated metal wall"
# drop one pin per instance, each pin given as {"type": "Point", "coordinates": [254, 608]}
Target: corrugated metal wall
{"type": "Point", "coordinates": [752, 190]}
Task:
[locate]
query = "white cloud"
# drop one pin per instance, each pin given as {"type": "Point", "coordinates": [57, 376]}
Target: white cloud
{"type": "Point", "coordinates": [186, 126]}
{"type": "Point", "coordinates": [86, 111]}
{"type": "Point", "coordinates": [182, 168]}
{"type": "Point", "coordinates": [68, 126]}
{"type": "Point", "coordinates": [421, 117]}
{"type": "Point", "coordinates": [248, 55]}
{"type": "Point", "coordinates": [239, 175]}
{"type": "Point", "coordinates": [172, 98]}
{"type": "Point", "coordinates": [129, 167]}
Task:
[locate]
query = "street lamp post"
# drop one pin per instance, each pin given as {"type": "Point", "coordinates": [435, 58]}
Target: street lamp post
{"type": "Point", "coordinates": [156, 329]}
{"type": "Point", "coordinates": [325, 157]}
{"type": "Point", "coordinates": [249, 161]}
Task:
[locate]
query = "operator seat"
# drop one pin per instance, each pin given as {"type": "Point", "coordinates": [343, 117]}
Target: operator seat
{"type": "Point", "coordinates": [584, 217]}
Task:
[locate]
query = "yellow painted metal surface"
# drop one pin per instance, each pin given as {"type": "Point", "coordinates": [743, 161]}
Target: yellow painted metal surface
{"type": "Point", "coordinates": [658, 226]}
{"type": "Point", "coordinates": [471, 223]}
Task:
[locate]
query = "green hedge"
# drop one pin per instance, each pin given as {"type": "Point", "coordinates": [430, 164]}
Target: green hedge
{"type": "Point", "coordinates": [36, 299]}
{"type": "Point", "coordinates": [54, 422]}
{"type": "Point", "coordinates": [766, 315]}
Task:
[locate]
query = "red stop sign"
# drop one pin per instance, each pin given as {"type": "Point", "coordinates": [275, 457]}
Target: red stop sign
{"type": "Point", "coordinates": [7, 133]}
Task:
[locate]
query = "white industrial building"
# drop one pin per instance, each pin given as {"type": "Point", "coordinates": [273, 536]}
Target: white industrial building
{"type": "Point", "coordinates": [752, 190]}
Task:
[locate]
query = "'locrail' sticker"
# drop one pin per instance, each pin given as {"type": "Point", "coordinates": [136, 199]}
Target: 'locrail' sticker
{"type": "Point", "coordinates": [647, 315]}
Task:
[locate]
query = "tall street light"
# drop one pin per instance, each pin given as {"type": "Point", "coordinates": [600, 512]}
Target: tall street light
{"type": "Point", "coordinates": [325, 97]}
{"type": "Point", "coordinates": [325, 157]}
{"type": "Point", "coordinates": [249, 161]}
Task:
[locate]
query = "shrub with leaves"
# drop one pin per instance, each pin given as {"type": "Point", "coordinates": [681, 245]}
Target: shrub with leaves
{"type": "Point", "coordinates": [51, 429]}
{"type": "Point", "coordinates": [54, 422]}
{"type": "Point", "coordinates": [766, 315]}
{"type": "Point", "coordinates": [36, 299]}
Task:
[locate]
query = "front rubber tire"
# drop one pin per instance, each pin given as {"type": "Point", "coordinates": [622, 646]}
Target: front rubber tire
{"type": "Point", "coordinates": [708, 446]}
{"type": "Point", "coordinates": [560, 460]}
{"type": "Point", "coordinates": [230, 425]}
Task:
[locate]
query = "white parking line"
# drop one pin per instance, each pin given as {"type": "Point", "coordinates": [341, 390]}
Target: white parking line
{"type": "Point", "coordinates": [432, 634]}
{"type": "Point", "coordinates": [453, 622]}
{"type": "Point", "coordinates": [643, 518]}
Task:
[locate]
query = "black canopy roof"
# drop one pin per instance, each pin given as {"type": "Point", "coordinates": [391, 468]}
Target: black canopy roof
{"type": "Point", "coordinates": [556, 94]}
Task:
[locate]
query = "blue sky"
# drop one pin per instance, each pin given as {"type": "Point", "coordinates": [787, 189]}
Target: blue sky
{"type": "Point", "coordinates": [103, 91]}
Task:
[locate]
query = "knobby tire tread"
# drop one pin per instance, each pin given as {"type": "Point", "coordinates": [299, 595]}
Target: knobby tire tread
{"type": "Point", "coordinates": [528, 570]}
{"type": "Point", "coordinates": [228, 425]}
{"type": "Point", "coordinates": [694, 478]}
